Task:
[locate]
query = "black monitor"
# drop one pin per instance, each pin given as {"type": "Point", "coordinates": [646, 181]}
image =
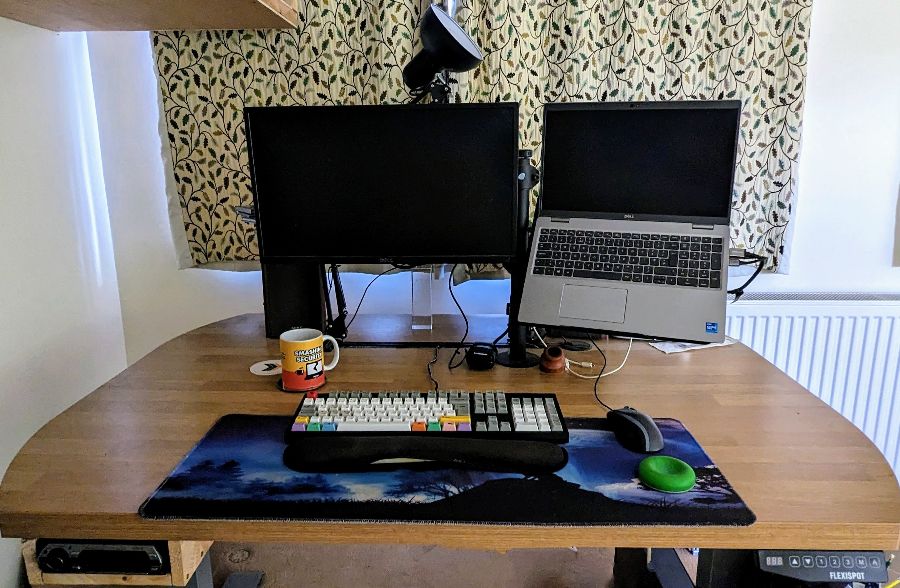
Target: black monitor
{"type": "Point", "coordinates": [650, 160]}
{"type": "Point", "coordinates": [404, 184]}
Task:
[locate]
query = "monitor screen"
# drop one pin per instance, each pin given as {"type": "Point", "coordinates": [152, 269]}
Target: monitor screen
{"type": "Point", "coordinates": [386, 184]}
{"type": "Point", "coordinates": [648, 161]}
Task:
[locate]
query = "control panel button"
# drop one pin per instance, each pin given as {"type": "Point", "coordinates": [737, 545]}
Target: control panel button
{"type": "Point", "coordinates": [834, 561]}
{"type": "Point", "coordinates": [821, 561]}
{"type": "Point", "coordinates": [847, 561]}
{"type": "Point", "coordinates": [794, 561]}
{"type": "Point", "coordinates": [807, 561]}
{"type": "Point", "coordinates": [861, 562]}
{"type": "Point", "coordinates": [874, 562]}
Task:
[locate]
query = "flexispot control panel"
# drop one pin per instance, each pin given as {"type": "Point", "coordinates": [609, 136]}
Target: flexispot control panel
{"type": "Point", "coordinates": [825, 566]}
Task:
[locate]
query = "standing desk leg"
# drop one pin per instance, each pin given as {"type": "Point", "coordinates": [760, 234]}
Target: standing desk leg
{"type": "Point", "coordinates": [630, 569]}
{"type": "Point", "coordinates": [662, 568]}
{"type": "Point", "coordinates": [202, 577]}
{"type": "Point", "coordinates": [726, 567]}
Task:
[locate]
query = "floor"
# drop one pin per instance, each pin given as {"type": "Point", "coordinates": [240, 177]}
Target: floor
{"type": "Point", "coordinates": [397, 565]}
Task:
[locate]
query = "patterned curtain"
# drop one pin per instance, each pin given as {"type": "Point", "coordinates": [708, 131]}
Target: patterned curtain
{"type": "Point", "coordinates": [353, 51]}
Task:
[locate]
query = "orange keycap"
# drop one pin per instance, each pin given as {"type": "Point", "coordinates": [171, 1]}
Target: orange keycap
{"type": "Point", "coordinates": [419, 426]}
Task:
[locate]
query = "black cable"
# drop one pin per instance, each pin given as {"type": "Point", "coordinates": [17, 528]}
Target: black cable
{"type": "Point", "coordinates": [760, 262]}
{"type": "Point", "coordinates": [600, 375]}
{"type": "Point", "coordinates": [363, 297]}
{"type": "Point", "coordinates": [428, 367]}
{"type": "Point", "coordinates": [450, 364]}
{"type": "Point", "coordinates": [503, 334]}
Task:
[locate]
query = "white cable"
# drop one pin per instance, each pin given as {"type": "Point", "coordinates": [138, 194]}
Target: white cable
{"type": "Point", "coordinates": [538, 335]}
{"type": "Point", "coordinates": [584, 364]}
{"type": "Point", "coordinates": [624, 359]}
{"type": "Point", "coordinates": [577, 375]}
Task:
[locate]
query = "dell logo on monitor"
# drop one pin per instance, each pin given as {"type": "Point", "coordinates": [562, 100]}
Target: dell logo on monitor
{"type": "Point", "coordinates": [627, 216]}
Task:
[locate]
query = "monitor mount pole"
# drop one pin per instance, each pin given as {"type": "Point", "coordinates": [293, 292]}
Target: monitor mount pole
{"type": "Point", "coordinates": [336, 327]}
{"type": "Point", "coordinates": [518, 356]}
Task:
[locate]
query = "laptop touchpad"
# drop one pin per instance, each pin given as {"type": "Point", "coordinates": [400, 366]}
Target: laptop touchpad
{"type": "Point", "coordinates": [593, 303]}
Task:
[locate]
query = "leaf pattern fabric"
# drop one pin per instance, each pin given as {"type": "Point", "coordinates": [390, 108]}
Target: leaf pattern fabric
{"type": "Point", "coordinates": [353, 51]}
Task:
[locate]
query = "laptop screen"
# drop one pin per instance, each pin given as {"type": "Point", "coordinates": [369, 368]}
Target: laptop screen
{"type": "Point", "coordinates": [648, 161]}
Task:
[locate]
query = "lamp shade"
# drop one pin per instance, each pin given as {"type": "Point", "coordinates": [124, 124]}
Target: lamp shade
{"type": "Point", "coordinates": [445, 46]}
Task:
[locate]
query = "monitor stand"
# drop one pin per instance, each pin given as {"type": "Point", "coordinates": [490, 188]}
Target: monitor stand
{"type": "Point", "coordinates": [517, 356]}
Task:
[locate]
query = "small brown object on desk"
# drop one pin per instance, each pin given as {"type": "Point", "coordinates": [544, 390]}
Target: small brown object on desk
{"type": "Point", "coordinates": [553, 360]}
{"type": "Point", "coordinates": [813, 479]}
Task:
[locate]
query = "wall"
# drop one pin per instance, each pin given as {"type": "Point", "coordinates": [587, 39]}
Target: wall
{"type": "Point", "coordinates": [59, 305]}
{"type": "Point", "coordinates": [847, 217]}
{"type": "Point", "coordinates": [159, 301]}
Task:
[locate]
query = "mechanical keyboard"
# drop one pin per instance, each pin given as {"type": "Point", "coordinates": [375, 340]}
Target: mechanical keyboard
{"type": "Point", "coordinates": [491, 415]}
{"type": "Point", "coordinates": [499, 431]}
{"type": "Point", "coordinates": [649, 258]}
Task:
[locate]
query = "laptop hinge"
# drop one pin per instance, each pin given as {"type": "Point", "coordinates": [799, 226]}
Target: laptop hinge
{"type": "Point", "coordinates": [703, 227]}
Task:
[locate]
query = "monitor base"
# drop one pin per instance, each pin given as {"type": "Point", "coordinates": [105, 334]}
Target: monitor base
{"type": "Point", "coordinates": [528, 360]}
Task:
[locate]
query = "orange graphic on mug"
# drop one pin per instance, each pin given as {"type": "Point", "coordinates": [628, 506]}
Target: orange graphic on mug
{"type": "Point", "coordinates": [303, 359]}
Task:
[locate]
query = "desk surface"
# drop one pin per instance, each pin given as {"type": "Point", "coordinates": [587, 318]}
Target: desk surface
{"type": "Point", "coordinates": [813, 480]}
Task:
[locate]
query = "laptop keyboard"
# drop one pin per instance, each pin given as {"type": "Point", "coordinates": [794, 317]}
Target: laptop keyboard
{"type": "Point", "coordinates": [649, 258]}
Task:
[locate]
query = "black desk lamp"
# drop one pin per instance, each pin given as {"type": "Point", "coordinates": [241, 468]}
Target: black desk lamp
{"type": "Point", "coordinates": [445, 48]}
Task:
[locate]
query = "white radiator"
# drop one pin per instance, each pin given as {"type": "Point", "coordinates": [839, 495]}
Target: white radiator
{"type": "Point", "coordinates": [847, 352]}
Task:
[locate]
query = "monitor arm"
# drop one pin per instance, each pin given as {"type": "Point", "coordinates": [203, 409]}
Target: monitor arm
{"type": "Point", "coordinates": [517, 356]}
{"type": "Point", "coordinates": [336, 327]}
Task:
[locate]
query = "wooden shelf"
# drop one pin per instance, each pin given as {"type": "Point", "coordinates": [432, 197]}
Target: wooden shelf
{"type": "Point", "coordinates": [155, 15]}
{"type": "Point", "coordinates": [184, 558]}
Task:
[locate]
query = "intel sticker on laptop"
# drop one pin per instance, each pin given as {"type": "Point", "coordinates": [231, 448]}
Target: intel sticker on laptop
{"type": "Point", "coordinates": [712, 328]}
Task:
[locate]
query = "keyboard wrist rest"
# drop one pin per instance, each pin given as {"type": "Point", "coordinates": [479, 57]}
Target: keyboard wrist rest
{"type": "Point", "coordinates": [358, 453]}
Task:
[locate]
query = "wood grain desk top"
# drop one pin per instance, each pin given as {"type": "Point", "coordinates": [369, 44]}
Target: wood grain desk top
{"type": "Point", "coordinates": [813, 480]}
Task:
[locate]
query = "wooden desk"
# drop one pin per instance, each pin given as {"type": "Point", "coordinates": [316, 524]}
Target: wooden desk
{"type": "Point", "coordinates": [813, 480]}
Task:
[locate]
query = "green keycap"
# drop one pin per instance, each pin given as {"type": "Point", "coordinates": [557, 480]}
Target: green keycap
{"type": "Point", "coordinates": [434, 427]}
{"type": "Point", "coordinates": [314, 427]}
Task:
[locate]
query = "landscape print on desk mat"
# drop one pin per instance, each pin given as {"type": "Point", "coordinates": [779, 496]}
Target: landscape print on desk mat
{"type": "Point", "coordinates": [236, 472]}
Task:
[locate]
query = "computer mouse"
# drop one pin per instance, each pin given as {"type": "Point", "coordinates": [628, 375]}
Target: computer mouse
{"type": "Point", "coordinates": [635, 430]}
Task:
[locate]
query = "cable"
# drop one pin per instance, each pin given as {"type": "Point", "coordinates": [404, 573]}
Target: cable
{"type": "Point", "coordinates": [363, 297]}
{"type": "Point", "coordinates": [538, 335]}
{"type": "Point", "coordinates": [503, 334]}
{"type": "Point", "coordinates": [600, 375]}
{"type": "Point", "coordinates": [429, 366]}
{"type": "Point", "coordinates": [450, 364]}
{"type": "Point", "coordinates": [760, 262]}
{"type": "Point", "coordinates": [624, 359]}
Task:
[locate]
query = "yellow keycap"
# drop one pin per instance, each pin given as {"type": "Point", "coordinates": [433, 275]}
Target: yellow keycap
{"type": "Point", "coordinates": [454, 419]}
{"type": "Point", "coordinates": [302, 419]}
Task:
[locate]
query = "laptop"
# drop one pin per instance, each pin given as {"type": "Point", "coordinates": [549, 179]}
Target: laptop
{"type": "Point", "coordinates": [632, 230]}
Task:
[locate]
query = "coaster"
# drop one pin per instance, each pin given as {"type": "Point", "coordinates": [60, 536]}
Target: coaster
{"type": "Point", "coordinates": [269, 367]}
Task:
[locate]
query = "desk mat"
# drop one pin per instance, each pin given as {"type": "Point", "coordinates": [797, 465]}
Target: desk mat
{"type": "Point", "coordinates": [236, 472]}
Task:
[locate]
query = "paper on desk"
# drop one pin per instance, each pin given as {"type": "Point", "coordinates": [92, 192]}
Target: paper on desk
{"type": "Point", "coordinates": [679, 346]}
